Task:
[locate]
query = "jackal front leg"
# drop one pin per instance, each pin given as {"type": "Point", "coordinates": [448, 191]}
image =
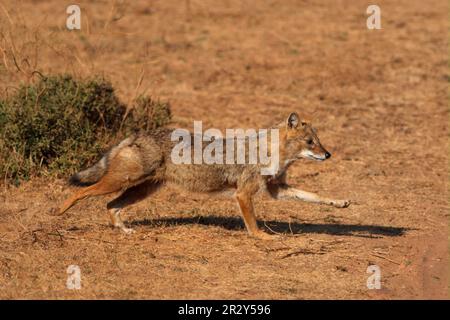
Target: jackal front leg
{"type": "Point", "coordinates": [245, 203]}
{"type": "Point", "coordinates": [287, 192]}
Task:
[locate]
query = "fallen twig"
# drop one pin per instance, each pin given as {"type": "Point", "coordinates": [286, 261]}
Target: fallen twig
{"type": "Point", "coordinates": [302, 251]}
{"type": "Point", "coordinates": [392, 261]}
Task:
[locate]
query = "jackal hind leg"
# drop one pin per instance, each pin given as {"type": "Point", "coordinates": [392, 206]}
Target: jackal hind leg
{"type": "Point", "coordinates": [123, 171]}
{"type": "Point", "coordinates": [129, 197]}
{"type": "Point", "coordinates": [104, 186]}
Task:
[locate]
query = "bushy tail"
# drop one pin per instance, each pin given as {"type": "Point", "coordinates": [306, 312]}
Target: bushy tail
{"type": "Point", "coordinates": [90, 175]}
{"type": "Point", "coordinates": [97, 171]}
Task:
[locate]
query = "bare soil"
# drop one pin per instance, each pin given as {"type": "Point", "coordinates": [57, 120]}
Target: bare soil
{"type": "Point", "coordinates": [378, 97]}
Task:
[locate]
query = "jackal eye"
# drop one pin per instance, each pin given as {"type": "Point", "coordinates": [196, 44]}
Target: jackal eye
{"type": "Point", "coordinates": [309, 141]}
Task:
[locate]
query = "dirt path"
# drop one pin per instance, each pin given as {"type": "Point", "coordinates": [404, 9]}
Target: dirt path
{"type": "Point", "coordinates": [379, 99]}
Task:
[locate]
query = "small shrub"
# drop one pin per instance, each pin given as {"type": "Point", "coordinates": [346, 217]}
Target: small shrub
{"type": "Point", "coordinates": [148, 114]}
{"type": "Point", "coordinates": [60, 125]}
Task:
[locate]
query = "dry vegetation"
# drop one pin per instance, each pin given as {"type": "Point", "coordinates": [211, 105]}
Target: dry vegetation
{"type": "Point", "coordinates": [379, 99]}
{"type": "Point", "coordinates": [60, 125]}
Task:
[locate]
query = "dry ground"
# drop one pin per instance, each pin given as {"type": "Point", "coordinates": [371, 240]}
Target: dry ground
{"type": "Point", "coordinates": [379, 99]}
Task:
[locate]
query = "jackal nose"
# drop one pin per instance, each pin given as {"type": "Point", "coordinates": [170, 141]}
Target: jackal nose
{"type": "Point", "coordinates": [327, 155]}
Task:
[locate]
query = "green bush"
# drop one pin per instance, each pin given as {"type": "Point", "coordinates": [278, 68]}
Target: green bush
{"type": "Point", "coordinates": [61, 124]}
{"type": "Point", "coordinates": [148, 114]}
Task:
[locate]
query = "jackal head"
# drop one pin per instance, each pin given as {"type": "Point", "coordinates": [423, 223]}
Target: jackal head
{"type": "Point", "coordinates": [301, 141]}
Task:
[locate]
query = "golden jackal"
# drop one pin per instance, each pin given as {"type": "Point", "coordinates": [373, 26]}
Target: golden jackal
{"type": "Point", "coordinates": [139, 164]}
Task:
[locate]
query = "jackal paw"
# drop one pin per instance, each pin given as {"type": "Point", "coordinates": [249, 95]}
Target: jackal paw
{"type": "Point", "coordinates": [124, 229]}
{"type": "Point", "coordinates": [128, 230]}
{"type": "Point", "coordinates": [261, 235]}
{"type": "Point", "coordinates": [341, 203]}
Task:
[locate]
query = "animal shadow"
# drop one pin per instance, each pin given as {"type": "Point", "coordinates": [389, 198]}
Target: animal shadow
{"type": "Point", "coordinates": [236, 223]}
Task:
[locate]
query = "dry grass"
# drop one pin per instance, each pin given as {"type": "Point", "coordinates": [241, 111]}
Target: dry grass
{"type": "Point", "coordinates": [379, 99]}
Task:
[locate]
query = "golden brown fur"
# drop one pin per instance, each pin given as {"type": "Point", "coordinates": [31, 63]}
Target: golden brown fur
{"type": "Point", "coordinates": [139, 164]}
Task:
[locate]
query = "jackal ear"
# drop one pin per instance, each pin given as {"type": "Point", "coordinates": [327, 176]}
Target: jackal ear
{"type": "Point", "coordinates": [293, 120]}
